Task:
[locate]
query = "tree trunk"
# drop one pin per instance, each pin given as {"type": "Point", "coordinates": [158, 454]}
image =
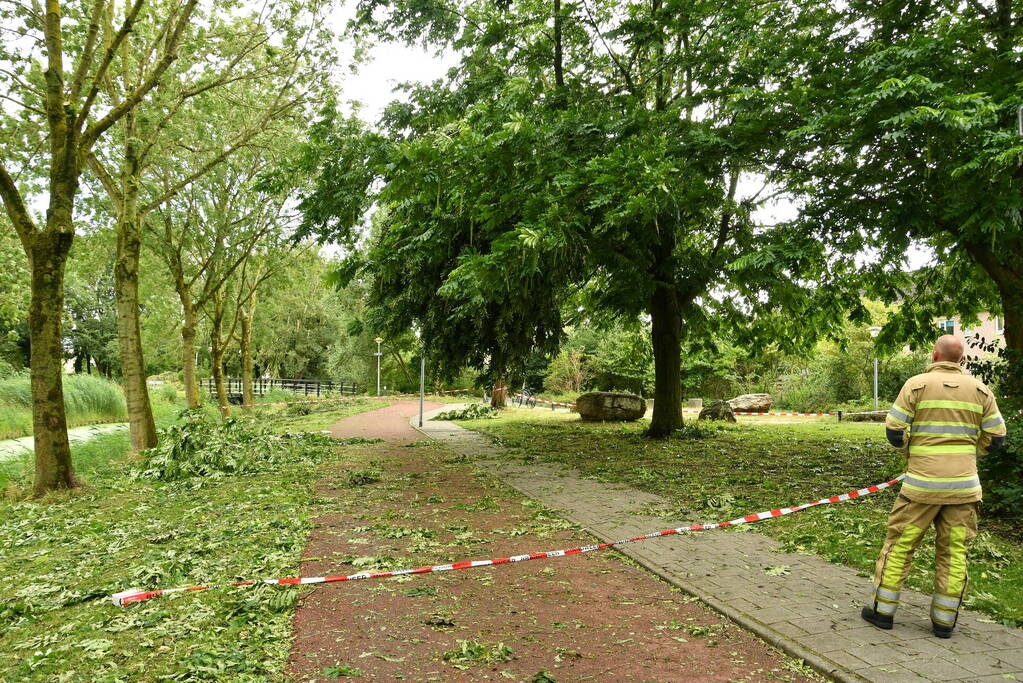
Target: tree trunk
{"type": "Point", "coordinates": [217, 367]}
{"type": "Point", "coordinates": [666, 324]}
{"type": "Point", "coordinates": [217, 348]}
{"type": "Point", "coordinates": [248, 395]}
{"type": "Point", "coordinates": [499, 398]}
{"type": "Point", "coordinates": [401, 364]}
{"type": "Point", "coordinates": [1002, 266]}
{"type": "Point", "coordinates": [53, 467]}
{"type": "Point", "coordinates": [1012, 309]}
{"type": "Point", "coordinates": [141, 423]}
{"type": "Point", "coordinates": [188, 331]}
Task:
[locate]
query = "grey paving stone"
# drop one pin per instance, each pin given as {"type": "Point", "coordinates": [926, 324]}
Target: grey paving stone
{"type": "Point", "coordinates": [789, 629]}
{"type": "Point", "coordinates": [939, 669]}
{"type": "Point", "coordinates": [1013, 657]}
{"type": "Point", "coordinates": [983, 664]}
{"type": "Point", "coordinates": [962, 644]}
{"type": "Point", "coordinates": [890, 673]}
{"type": "Point", "coordinates": [846, 660]}
{"type": "Point", "coordinates": [772, 615]}
{"type": "Point", "coordinates": [875, 655]}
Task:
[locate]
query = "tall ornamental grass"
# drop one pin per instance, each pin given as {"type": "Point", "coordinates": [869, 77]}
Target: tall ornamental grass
{"type": "Point", "coordinates": [88, 399]}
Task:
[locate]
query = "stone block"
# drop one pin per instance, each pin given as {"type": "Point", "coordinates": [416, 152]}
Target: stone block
{"type": "Point", "coordinates": [607, 406]}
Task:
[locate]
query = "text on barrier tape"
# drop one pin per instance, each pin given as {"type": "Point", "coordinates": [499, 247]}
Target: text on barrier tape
{"type": "Point", "coordinates": [135, 595]}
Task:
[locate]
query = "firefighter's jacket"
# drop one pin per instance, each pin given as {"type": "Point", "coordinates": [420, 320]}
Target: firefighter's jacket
{"type": "Point", "coordinates": [946, 419]}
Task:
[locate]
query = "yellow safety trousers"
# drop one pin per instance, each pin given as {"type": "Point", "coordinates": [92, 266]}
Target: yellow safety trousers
{"type": "Point", "coordinates": [955, 526]}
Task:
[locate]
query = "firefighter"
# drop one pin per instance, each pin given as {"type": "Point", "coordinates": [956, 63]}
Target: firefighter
{"type": "Point", "coordinates": [942, 420]}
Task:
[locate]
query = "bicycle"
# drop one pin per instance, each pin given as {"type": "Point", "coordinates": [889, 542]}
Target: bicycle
{"type": "Point", "coordinates": [527, 398]}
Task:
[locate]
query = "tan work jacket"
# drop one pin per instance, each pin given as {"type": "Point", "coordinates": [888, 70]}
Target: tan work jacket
{"type": "Point", "coordinates": [948, 418]}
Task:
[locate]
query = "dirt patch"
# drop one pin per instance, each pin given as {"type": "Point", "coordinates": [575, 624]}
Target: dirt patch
{"type": "Point", "coordinates": [585, 617]}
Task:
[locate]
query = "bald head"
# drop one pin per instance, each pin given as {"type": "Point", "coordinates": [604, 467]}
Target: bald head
{"type": "Point", "coordinates": [948, 348]}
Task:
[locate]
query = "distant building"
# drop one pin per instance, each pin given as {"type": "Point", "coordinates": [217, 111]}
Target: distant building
{"type": "Point", "coordinates": [991, 327]}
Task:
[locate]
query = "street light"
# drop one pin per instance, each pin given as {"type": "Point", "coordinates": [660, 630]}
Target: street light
{"type": "Point", "coordinates": [422, 375]}
{"type": "Point", "coordinates": [874, 331]}
{"type": "Point", "coordinates": [379, 341]}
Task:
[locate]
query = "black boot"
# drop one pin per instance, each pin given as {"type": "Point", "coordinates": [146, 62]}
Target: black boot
{"type": "Point", "coordinates": [884, 621]}
{"type": "Point", "coordinates": [941, 630]}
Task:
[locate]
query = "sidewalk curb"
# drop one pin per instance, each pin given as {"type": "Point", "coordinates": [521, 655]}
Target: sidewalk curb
{"type": "Point", "coordinates": [819, 663]}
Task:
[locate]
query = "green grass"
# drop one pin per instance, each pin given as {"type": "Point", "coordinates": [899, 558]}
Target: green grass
{"type": "Point", "coordinates": [720, 472]}
{"type": "Point", "coordinates": [89, 399]}
{"type": "Point", "coordinates": [319, 419]}
{"type": "Point", "coordinates": [68, 553]}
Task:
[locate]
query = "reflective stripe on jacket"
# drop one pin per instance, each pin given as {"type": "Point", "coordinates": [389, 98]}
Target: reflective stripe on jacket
{"type": "Point", "coordinates": [949, 418]}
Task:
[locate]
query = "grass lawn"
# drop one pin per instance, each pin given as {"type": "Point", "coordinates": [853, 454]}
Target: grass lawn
{"type": "Point", "coordinates": [65, 555]}
{"type": "Point", "coordinates": [718, 472]}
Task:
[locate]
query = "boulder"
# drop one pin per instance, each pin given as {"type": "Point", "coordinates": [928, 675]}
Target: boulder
{"type": "Point", "coordinates": [751, 403]}
{"type": "Point", "coordinates": [610, 406]}
{"type": "Point", "coordinates": [718, 410]}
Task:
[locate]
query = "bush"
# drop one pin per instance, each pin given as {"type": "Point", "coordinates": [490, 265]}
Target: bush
{"type": "Point", "coordinates": [202, 447]}
{"type": "Point", "coordinates": [1001, 472]}
{"type": "Point", "coordinates": [476, 411]}
{"type": "Point", "coordinates": [7, 370]}
{"type": "Point", "coordinates": [568, 372]}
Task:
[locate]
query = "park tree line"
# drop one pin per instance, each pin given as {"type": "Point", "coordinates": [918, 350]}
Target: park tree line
{"type": "Point", "coordinates": [155, 118]}
{"type": "Point", "coordinates": [607, 160]}
{"type": "Point", "coordinates": [598, 163]}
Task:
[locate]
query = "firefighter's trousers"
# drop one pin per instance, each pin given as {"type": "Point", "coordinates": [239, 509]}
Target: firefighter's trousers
{"type": "Point", "coordinates": [954, 526]}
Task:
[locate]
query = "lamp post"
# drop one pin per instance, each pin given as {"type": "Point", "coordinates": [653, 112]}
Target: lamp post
{"type": "Point", "coordinates": [874, 331]}
{"type": "Point", "coordinates": [422, 376]}
{"type": "Point", "coordinates": [378, 354]}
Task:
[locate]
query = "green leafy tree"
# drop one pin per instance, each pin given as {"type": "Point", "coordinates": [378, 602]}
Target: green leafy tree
{"type": "Point", "coordinates": [90, 329]}
{"type": "Point", "coordinates": [587, 153]}
{"type": "Point", "coordinates": [296, 329]}
{"type": "Point", "coordinates": [236, 75]}
{"type": "Point", "coordinates": [912, 127]}
{"type": "Point", "coordinates": [14, 290]}
{"type": "Point", "coordinates": [206, 233]}
{"type": "Point", "coordinates": [54, 65]}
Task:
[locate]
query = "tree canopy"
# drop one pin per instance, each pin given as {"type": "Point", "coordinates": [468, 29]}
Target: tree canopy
{"type": "Point", "coordinates": [603, 166]}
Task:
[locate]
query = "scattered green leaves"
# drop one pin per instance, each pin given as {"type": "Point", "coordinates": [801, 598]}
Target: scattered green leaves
{"type": "Point", "coordinates": [474, 653]}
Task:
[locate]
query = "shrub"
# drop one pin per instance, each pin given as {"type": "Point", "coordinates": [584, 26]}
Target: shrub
{"type": "Point", "coordinates": [476, 411]}
{"type": "Point", "coordinates": [568, 372]}
{"type": "Point", "coordinates": [1001, 472]}
{"type": "Point", "coordinates": [202, 447]}
{"type": "Point", "coordinates": [7, 370]}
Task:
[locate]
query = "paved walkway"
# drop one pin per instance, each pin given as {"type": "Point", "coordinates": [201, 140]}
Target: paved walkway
{"type": "Point", "coordinates": [812, 613]}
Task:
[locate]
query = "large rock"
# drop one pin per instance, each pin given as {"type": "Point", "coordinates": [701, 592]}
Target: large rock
{"type": "Point", "coordinates": [610, 406]}
{"type": "Point", "coordinates": [718, 410]}
{"type": "Point", "coordinates": [751, 403]}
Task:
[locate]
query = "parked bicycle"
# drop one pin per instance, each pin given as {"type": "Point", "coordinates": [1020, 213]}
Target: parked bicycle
{"type": "Point", "coordinates": [526, 397]}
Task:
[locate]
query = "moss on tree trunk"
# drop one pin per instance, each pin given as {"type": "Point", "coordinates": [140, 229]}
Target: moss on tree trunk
{"type": "Point", "coordinates": [53, 466]}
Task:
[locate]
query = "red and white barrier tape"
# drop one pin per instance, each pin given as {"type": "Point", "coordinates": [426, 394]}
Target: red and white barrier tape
{"type": "Point", "coordinates": [135, 595]}
{"type": "Point", "coordinates": [738, 412]}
